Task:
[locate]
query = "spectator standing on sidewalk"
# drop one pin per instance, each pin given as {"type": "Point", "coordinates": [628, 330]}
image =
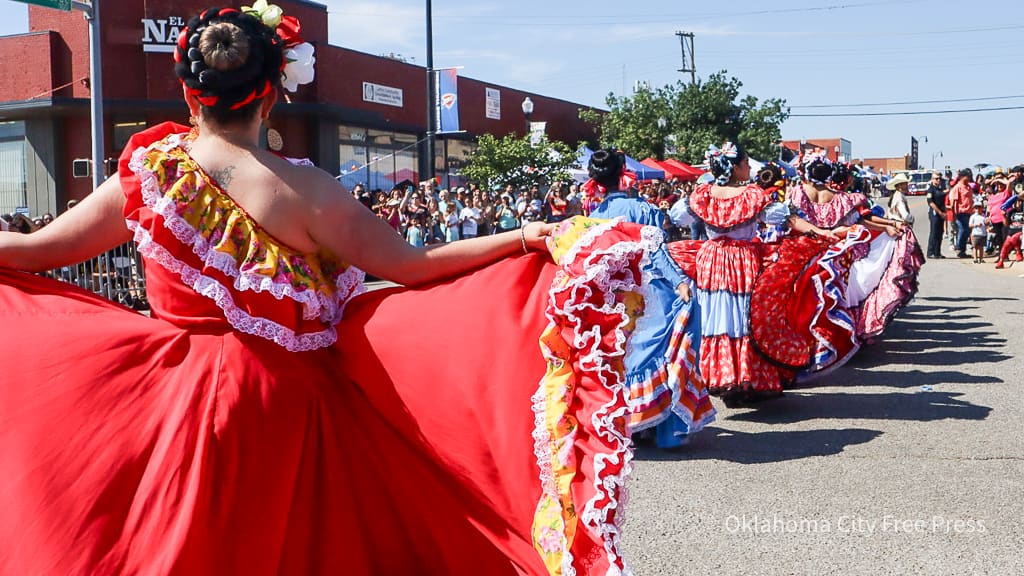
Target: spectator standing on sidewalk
{"type": "Point", "coordinates": [979, 231]}
{"type": "Point", "coordinates": [1000, 193]}
{"type": "Point", "coordinates": [451, 223]}
{"type": "Point", "coordinates": [961, 201]}
{"type": "Point", "coordinates": [505, 215]}
{"type": "Point", "coordinates": [936, 198]}
{"type": "Point", "coordinates": [470, 218]}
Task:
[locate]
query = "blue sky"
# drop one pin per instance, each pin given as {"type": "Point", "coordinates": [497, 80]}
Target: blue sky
{"type": "Point", "coordinates": [829, 53]}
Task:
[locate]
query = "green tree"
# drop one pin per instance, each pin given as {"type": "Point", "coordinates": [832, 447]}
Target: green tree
{"type": "Point", "coordinates": [695, 116]}
{"type": "Point", "coordinates": [633, 122]}
{"type": "Point", "coordinates": [514, 160]}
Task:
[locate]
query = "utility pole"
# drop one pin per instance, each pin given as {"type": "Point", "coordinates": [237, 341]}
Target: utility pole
{"type": "Point", "coordinates": [689, 62]}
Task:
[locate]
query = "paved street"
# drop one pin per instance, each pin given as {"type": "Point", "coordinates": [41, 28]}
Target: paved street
{"type": "Point", "coordinates": [909, 460]}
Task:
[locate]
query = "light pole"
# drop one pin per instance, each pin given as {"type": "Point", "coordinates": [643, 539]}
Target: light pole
{"type": "Point", "coordinates": [662, 123]}
{"type": "Point", "coordinates": [934, 154]}
{"type": "Point", "coordinates": [431, 96]}
{"type": "Point", "coordinates": [527, 112]}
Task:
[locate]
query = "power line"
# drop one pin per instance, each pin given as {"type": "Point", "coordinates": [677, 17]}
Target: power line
{"type": "Point", "coordinates": [908, 113]}
{"type": "Point", "coordinates": [908, 102]}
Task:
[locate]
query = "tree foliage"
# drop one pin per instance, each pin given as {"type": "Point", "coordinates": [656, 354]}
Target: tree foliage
{"type": "Point", "coordinates": [695, 116]}
{"type": "Point", "coordinates": [516, 161]}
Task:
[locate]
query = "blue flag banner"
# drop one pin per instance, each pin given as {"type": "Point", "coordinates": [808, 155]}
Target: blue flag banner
{"type": "Point", "coordinates": [448, 100]}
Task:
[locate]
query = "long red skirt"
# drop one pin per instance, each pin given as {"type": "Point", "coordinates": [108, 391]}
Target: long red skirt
{"type": "Point", "coordinates": [130, 445]}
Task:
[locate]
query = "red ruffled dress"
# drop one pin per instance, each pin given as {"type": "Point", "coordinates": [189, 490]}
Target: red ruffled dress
{"type": "Point", "coordinates": [819, 301]}
{"type": "Point", "coordinates": [267, 420]}
{"type": "Point", "coordinates": [725, 268]}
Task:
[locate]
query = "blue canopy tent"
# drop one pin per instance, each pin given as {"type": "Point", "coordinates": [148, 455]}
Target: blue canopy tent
{"type": "Point", "coordinates": [643, 171]}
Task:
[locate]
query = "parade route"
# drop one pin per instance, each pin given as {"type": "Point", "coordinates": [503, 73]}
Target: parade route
{"type": "Point", "coordinates": [908, 460]}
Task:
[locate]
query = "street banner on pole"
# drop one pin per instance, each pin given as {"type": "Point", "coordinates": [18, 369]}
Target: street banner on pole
{"type": "Point", "coordinates": [448, 100]}
{"type": "Point", "coordinates": [537, 132]}
{"type": "Point", "coordinates": [64, 5]}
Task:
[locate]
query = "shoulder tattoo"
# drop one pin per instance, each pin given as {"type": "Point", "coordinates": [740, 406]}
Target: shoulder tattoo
{"type": "Point", "coordinates": [223, 176]}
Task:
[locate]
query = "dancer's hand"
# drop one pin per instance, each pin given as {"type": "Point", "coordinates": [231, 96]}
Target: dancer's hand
{"type": "Point", "coordinates": [684, 292]}
{"type": "Point", "coordinates": [893, 231]}
{"type": "Point", "coordinates": [824, 233]}
{"type": "Point", "coordinates": [536, 234]}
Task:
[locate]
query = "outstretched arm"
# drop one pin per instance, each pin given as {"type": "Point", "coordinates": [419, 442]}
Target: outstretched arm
{"type": "Point", "coordinates": [341, 225]}
{"type": "Point", "coordinates": [94, 226]}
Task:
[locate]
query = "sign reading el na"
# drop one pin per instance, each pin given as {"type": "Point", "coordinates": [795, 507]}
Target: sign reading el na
{"type": "Point", "coordinates": [161, 35]}
{"type": "Point", "coordinates": [64, 5]}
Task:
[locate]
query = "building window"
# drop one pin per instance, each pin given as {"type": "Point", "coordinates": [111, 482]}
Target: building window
{"type": "Point", "coordinates": [13, 182]}
{"type": "Point", "coordinates": [123, 131]}
{"type": "Point", "coordinates": [378, 159]}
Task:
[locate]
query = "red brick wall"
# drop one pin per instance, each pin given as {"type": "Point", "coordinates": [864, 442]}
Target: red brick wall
{"type": "Point", "coordinates": [71, 48]}
{"type": "Point", "coordinates": [27, 66]}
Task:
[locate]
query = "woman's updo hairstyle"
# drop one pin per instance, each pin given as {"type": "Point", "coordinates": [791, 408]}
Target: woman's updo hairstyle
{"type": "Point", "coordinates": [817, 168]}
{"type": "Point", "coordinates": [229, 61]}
{"type": "Point", "coordinates": [606, 166]}
{"type": "Point", "coordinates": [841, 177]}
{"type": "Point", "coordinates": [722, 161]}
{"type": "Point", "coordinates": [770, 176]}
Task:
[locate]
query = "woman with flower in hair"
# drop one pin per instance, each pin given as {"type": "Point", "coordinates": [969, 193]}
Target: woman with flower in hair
{"type": "Point", "coordinates": [269, 419]}
{"type": "Point", "coordinates": [857, 283]}
{"type": "Point", "coordinates": [882, 279]}
{"type": "Point", "coordinates": [725, 268]}
{"type": "Point", "coordinates": [666, 392]}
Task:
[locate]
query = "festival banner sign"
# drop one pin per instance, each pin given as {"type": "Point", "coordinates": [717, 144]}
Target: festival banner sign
{"type": "Point", "coordinates": [492, 106]}
{"type": "Point", "coordinates": [448, 100]}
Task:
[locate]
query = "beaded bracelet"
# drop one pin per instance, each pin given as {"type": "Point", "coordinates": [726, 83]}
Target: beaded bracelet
{"type": "Point", "coordinates": [522, 236]}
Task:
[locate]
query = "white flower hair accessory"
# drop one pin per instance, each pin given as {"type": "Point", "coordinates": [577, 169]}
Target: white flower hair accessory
{"type": "Point", "coordinates": [299, 61]}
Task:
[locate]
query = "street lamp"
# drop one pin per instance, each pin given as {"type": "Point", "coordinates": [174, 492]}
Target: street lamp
{"type": "Point", "coordinates": [527, 111]}
{"type": "Point", "coordinates": [934, 154]}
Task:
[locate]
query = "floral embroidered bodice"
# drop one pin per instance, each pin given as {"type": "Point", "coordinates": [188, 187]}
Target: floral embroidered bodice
{"type": "Point", "coordinates": [842, 210]}
{"type": "Point", "coordinates": [736, 217]}
{"type": "Point", "coordinates": [186, 225]}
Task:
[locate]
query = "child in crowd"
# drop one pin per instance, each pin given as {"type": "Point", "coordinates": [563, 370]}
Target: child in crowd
{"type": "Point", "coordinates": [414, 232]}
{"type": "Point", "coordinates": [979, 232]}
{"type": "Point", "coordinates": [451, 222]}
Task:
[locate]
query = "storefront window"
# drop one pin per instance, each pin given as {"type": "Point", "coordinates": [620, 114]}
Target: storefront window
{"type": "Point", "coordinates": [123, 131]}
{"type": "Point", "coordinates": [456, 154]}
{"type": "Point", "coordinates": [12, 166]}
{"type": "Point", "coordinates": [375, 158]}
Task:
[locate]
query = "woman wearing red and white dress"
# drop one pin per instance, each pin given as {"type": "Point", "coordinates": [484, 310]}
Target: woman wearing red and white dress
{"type": "Point", "coordinates": [725, 268]}
{"type": "Point", "coordinates": [856, 284]}
{"type": "Point", "coordinates": [269, 419]}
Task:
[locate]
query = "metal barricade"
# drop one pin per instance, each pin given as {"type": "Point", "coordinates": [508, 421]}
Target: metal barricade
{"type": "Point", "coordinates": [117, 274]}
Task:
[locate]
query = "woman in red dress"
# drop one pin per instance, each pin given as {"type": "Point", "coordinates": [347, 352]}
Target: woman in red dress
{"type": "Point", "coordinates": [851, 289]}
{"type": "Point", "coordinates": [268, 419]}
{"type": "Point", "coordinates": [725, 268]}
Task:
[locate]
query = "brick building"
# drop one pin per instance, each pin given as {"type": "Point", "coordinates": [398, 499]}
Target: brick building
{"type": "Point", "coordinates": [364, 115]}
{"type": "Point", "coordinates": [837, 149]}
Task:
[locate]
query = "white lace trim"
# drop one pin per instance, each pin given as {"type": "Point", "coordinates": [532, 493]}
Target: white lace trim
{"type": "Point", "coordinates": [607, 271]}
{"type": "Point", "coordinates": [238, 319]}
{"type": "Point", "coordinates": [328, 308]}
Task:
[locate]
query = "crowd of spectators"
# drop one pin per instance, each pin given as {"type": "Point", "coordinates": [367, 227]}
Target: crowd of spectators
{"type": "Point", "coordinates": [20, 222]}
{"type": "Point", "coordinates": [426, 215]}
{"type": "Point", "coordinates": [983, 213]}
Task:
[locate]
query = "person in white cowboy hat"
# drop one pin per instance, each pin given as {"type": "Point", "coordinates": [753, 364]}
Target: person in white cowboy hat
{"type": "Point", "coordinates": [898, 208]}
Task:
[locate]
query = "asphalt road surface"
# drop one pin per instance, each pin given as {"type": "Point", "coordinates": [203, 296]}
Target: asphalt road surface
{"type": "Point", "coordinates": [908, 460]}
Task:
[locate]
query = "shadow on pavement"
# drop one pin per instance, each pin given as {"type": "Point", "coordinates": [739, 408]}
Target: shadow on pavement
{"type": "Point", "coordinates": [761, 447]}
{"type": "Point", "coordinates": [922, 407]}
{"type": "Point", "coordinates": [930, 336]}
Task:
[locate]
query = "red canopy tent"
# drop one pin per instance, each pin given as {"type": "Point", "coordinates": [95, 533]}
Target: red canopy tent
{"type": "Point", "coordinates": [669, 171]}
{"type": "Point", "coordinates": [686, 171]}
